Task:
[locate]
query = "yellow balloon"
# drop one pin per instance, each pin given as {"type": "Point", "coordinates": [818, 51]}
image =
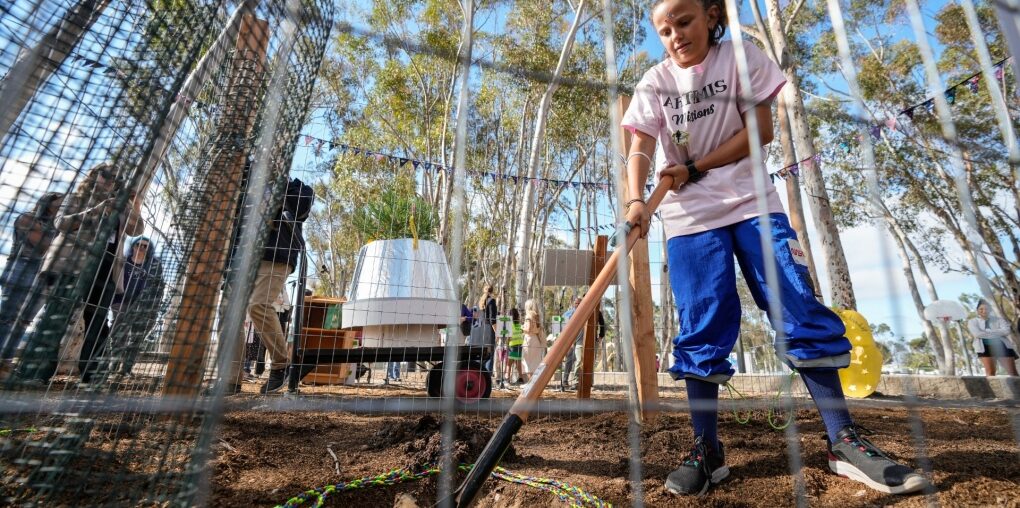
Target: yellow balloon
{"type": "Point", "coordinates": [860, 378]}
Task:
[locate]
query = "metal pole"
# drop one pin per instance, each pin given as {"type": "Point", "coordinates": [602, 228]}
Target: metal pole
{"type": "Point", "coordinates": [296, 356]}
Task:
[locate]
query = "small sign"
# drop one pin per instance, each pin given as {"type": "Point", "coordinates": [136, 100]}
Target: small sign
{"type": "Point", "coordinates": [504, 326]}
{"type": "Point", "coordinates": [557, 325]}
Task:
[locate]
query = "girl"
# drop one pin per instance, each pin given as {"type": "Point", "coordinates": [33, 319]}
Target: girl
{"type": "Point", "coordinates": [690, 103]}
{"type": "Point", "coordinates": [534, 345]}
{"type": "Point", "coordinates": [991, 340]}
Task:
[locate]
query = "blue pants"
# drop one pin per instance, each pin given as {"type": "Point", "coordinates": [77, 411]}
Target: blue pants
{"type": "Point", "coordinates": [703, 278]}
{"type": "Point", "coordinates": [393, 370]}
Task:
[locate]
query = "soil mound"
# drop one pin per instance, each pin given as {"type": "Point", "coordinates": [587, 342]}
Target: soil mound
{"type": "Point", "coordinates": [421, 440]}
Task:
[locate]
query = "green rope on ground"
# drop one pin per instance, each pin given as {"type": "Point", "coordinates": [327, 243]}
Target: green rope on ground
{"type": "Point", "coordinates": [8, 432]}
{"type": "Point", "coordinates": [774, 410]}
{"type": "Point", "coordinates": [566, 492]}
{"type": "Point", "coordinates": [775, 407]}
{"type": "Point", "coordinates": [732, 390]}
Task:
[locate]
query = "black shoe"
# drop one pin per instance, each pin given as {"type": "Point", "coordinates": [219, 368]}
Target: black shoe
{"type": "Point", "coordinates": [857, 458]}
{"type": "Point", "coordinates": [277, 378]}
{"type": "Point", "coordinates": [231, 389]}
{"type": "Point", "coordinates": [702, 468]}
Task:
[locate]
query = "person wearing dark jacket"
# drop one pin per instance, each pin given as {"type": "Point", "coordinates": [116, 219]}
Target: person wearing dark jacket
{"type": "Point", "coordinates": [284, 246]}
{"type": "Point", "coordinates": [136, 307]}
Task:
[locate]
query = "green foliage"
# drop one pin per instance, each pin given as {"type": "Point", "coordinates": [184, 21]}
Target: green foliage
{"type": "Point", "coordinates": [920, 356]}
{"type": "Point", "coordinates": [914, 162]}
{"type": "Point", "coordinates": [390, 216]}
{"type": "Point", "coordinates": [401, 97]}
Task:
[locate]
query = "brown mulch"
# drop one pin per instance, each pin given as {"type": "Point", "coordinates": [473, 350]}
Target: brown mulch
{"type": "Point", "coordinates": [270, 457]}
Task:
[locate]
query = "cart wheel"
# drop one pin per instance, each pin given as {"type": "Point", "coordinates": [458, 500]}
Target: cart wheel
{"type": "Point", "coordinates": [471, 382]}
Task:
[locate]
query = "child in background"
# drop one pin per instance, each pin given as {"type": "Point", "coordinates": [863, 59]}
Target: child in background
{"type": "Point", "coordinates": [691, 103]}
{"type": "Point", "coordinates": [516, 346]}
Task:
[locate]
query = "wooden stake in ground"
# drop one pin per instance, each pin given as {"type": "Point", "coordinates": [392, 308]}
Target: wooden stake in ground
{"type": "Point", "coordinates": [585, 380]}
{"type": "Point", "coordinates": [220, 192]}
{"type": "Point", "coordinates": [526, 401]}
{"type": "Point", "coordinates": [642, 309]}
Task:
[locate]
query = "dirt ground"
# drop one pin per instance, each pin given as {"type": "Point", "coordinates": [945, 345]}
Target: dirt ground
{"type": "Point", "coordinates": [265, 458]}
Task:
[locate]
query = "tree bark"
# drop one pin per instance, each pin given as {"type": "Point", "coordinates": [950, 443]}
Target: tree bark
{"type": "Point", "coordinates": [524, 237]}
{"type": "Point", "coordinates": [793, 196]}
{"type": "Point", "coordinates": [841, 291]}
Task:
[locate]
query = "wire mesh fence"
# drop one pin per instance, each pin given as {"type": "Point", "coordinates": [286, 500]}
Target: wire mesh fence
{"type": "Point", "coordinates": [410, 220]}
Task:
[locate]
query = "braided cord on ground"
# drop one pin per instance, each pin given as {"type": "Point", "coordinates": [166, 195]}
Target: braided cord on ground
{"type": "Point", "coordinates": [566, 492]}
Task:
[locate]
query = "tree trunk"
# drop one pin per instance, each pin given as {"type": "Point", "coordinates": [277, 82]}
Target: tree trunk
{"type": "Point", "coordinates": [525, 232]}
{"type": "Point", "coordinates": [36, 65]}
{"type": "Point", "coordinates": [841, 291]}
{"type": "Point", "coordinates": [945, 358]}
{"type": "Point", "coordinates": [929, 285]}
{"type": "Point", "coordinates": [793, 197]}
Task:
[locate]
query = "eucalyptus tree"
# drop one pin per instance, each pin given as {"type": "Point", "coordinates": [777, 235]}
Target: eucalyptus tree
{"type": "Point", "coordinates": [919, 204]}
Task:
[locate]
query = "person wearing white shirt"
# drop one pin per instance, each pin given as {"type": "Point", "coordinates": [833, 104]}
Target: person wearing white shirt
{"type": "Point", "coordinates": [991, 340]}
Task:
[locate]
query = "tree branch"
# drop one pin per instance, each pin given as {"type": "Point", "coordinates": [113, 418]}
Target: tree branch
{"type": "Point", "coordinates": [793, 16]}
{"type": "Point", "coordinates": [756, 33]}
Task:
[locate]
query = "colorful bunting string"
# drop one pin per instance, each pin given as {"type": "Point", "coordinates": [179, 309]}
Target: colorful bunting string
{"type": "Point", "coordinates": [317, 145]}
{"type": "Point", "coordinates": [794, 169]}
{"type": "Point", "coordinates": [971, 82]}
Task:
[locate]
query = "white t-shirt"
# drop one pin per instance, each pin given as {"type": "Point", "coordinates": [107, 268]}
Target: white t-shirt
{"type": "Point", "coordinates": [691, 112]}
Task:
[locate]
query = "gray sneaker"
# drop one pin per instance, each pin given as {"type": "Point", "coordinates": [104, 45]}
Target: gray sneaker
{"type": "Point", "coordinates": [702, 468]}
{"type": "Point", "coordinates": [856, 458]}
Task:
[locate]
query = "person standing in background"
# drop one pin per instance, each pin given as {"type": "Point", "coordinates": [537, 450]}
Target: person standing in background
{"type": "Point", "coordinates": [991, 340]}
{"type": "Point", "coordinates": [534, 343]}
{"type": "Point", "coordinates": [489, 313]}
{"type": "Point", "coordinates": [571, 358]}
{"type": "Point", "coordinates": [516, 347]}
{"type": "Point", "coordinates": [136, 305]}
{"type": "Point", "coordinates": [33, 233]}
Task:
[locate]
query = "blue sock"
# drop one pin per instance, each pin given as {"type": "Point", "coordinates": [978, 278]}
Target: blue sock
{"type": "Point", "coordinates": [827, 392]}
{"type": "Point", "coordinates": [704, 399]}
